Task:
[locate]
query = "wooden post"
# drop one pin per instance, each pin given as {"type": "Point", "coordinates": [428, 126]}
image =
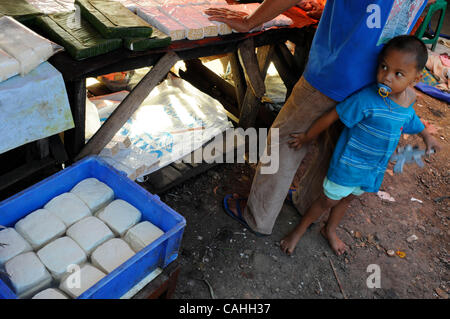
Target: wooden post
{"type": "Point", "coordinates": [237, 73]}
{"type": "Point", "coordinates": [74, 138]}
{"type": "Point", "coordinates": [251, 102]}
{"type": "Point", "coordinates": [251, 70]}
{"type": "Point", "coordinates": [129, 105]}
{"type": "Point", "coordinates": [285, 70]}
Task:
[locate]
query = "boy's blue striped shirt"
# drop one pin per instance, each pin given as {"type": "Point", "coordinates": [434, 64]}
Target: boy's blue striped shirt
{"type": "Point", "coordinates": [370, 136]}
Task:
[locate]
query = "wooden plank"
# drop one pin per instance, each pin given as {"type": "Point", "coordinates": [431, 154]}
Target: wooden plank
{"type": "Point", "coordinates": [164, 177]}
{"type": "Point", "coordinates": [169, 177]}
{"type": "Point", "coordinates": [302, 47]}
{"type": "Point", "coordinates": [215, 80]}
{"type": "Point", "coordinates": [57, 149]}
{"type": "Point", "coordinates": [128, 106]}
{"type": "Point", "coordinates": [283, 51]}
{"type": "Point", "coordinates": [238, 76]}
{"type": "Point", "coordinates": [180, 166]}
{"type": "Point", "coordinates": [286, 72]}
{"type": "Point", "coordinates": [251, 67]}
{"type": "Point", "coordinates": [210, 83]}
{"type": "Point", "coordinates": [252, 103]}
{"type": "Point", "coordinates": [123, 60]}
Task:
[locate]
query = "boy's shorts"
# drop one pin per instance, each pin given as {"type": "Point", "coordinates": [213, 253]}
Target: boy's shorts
{"type": "Point", "coordinates": [337, 192]}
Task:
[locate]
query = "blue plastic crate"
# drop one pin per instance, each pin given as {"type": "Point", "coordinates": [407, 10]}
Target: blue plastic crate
{"type": "Point", "coordinates": [159, 253]}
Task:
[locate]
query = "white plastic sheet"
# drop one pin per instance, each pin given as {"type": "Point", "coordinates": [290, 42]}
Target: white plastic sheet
{"type": "Point", "coordinates": [173, 121]}
{"type": "Point", "coordinates": [33, 107]}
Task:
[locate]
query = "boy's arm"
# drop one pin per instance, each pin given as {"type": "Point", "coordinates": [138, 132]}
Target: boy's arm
{"type": "Point", "coordinates": [318, 127]}
{"type": "Point", "coordinates": [430, 141]}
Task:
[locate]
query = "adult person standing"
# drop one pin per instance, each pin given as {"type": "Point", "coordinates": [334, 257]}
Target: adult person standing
{"type": "Point", "coordinates": [342, 60]}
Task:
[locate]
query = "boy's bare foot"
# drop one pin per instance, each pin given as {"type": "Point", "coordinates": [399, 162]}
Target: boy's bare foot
{"type": "Point", "coordinates": [338, 246]}
{"type": "Point", "coordinates": [288, 243]}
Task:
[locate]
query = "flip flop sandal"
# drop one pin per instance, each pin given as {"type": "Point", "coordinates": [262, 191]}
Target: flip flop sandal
{"type": "Point", "coordinates": [239, 217]}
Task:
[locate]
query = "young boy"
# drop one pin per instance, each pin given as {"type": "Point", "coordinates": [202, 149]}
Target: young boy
{"type": "Point", "coordinates": [374, 121]}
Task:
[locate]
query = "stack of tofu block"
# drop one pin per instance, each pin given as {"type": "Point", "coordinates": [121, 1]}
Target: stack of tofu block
{"type": "Point", "coordinates": [125, 157]}
{"type": "Point", "coordinates": [75, 240]}
{"type": "Point", "coordinates": [185, 19]}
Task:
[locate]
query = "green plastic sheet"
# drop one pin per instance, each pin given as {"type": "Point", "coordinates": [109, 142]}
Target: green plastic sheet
{"type": "Point", "coordinates": [18, 9]}
{"type": "Point", "coordinates": [76, 35]}
{"type": "Point", "coordinates": [158, 40]}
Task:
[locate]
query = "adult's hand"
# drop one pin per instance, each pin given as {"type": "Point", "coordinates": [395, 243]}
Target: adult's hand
{"type": "Point", "coordinates": [237, 20]}
{"type": "Point", "coordinates": [312, 7]}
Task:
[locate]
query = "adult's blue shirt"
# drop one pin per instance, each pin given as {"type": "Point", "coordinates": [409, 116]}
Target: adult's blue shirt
{"type": "Point", "coordinates": [350, 35]}
{"type": "Point", "coordinates": [373, 126]}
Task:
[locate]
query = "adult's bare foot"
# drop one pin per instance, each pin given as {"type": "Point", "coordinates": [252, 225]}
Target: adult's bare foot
{"type": "Point", "coordinates": [337, 245]}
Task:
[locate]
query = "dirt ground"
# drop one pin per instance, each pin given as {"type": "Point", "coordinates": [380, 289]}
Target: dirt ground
{"type": "Point", "coordinates": [221, 259]}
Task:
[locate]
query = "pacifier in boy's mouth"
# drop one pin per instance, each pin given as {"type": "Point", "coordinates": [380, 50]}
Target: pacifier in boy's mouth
{"type": "Point", "coordinates": [383, 90]}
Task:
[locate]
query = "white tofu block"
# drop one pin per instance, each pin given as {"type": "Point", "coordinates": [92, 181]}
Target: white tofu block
{"type": "Point", "coordinates": [94, 193]}
{"type": "Point", "coordinates": [162, 22]}
{"type": "Point", "coordinates": [210, 29]}
{"type": "Point", "coordinates": [59, 254]}
{"type": "Point", "coordinates": [8, 66]}
{"type": "Point", "coordinates": [194, 31]}
{"type": "Point", "coordinates": [50, 293]}
{"type": "Point", "coordinates": [223, 28]}
{"type": "Point", "coordinates": [14, 245]}
{"type": "Point", "coordinates": [122, 141]}
{"type": "Point", "coordinates": [88, 276]}
{"type": "Point", "coordinates": [68, 207]}
{"type": "Point", "coordinates": [40, 227]}
{"type": "Point", "coordinates": [130, 172]}
{"type": "Point", "coordinates": [27, 274]}
{"type": "Point", "coordinates": [110, 255]}
{"type": "Point", "coordinates": [89, 233]}
{"type": "Point", "coordinates": [141, 235]}
{"type": "Point", "coordinates": [111, 149]}
{"type": "Point", "coordinates": [120, 216]}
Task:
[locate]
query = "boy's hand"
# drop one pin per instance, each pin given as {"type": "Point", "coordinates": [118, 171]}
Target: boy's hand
{"type": "Point", "coordinates": [298, 140]}
{"type": "Point", "coordinates": [432, 143]}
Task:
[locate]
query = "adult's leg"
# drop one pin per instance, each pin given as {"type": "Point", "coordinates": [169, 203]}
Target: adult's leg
{"type": "Point", "coordinates": [268, 191]}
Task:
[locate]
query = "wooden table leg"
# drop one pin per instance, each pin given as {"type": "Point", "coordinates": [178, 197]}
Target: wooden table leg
{"type": "Point", "coordinates": [237, 73]}
{"type": "Point", "coordinates": [251, 102]}
{"type": "Point", "coordinates": [74, 138]}
{"type": "Point", "coordinates": [129, 105]}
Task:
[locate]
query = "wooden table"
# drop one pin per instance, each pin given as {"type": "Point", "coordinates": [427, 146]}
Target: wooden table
{"type": "Point", "coordinates": [242, 100]}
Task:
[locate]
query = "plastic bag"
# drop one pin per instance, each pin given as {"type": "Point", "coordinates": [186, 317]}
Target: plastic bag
{"type": "Point", "coordinates": [8, 66]}
{"type": "Point", "coordinates": [24, 45]}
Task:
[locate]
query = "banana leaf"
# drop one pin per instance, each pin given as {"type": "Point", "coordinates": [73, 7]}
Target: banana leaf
{"type": "Point", "coordinates": [18, 9]}
{"type": "Point", "coordinates": [158, 40]}
{"type": "Point", "coordinates": [76, 35]}
{"type": "Point", "coordinates": [113, 20]}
